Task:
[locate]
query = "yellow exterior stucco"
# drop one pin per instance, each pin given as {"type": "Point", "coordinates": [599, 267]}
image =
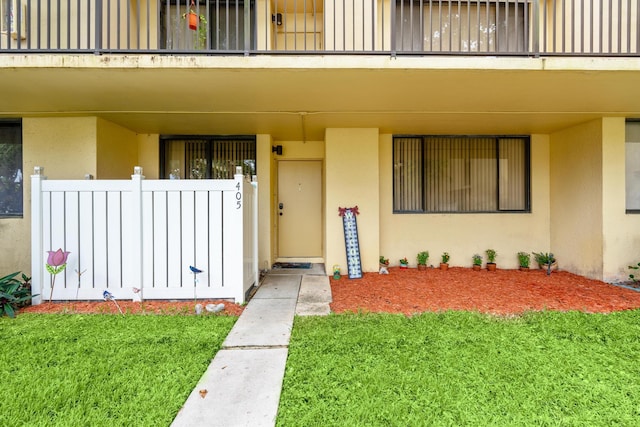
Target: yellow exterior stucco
{"type": "Point", "coordinates": [66, 148]}
{"type": "Point", "coordinates": [351, 171]}
{"type": "Point", "coordinates": [117, 151]}
{"type": "Point", "coordinates": [576, 198]}
{"type": "Point", "coordinates": [620, 231]}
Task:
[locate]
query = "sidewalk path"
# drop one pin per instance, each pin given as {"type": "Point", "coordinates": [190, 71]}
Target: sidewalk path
{"type": "Point", "coordinates": [244, 380]}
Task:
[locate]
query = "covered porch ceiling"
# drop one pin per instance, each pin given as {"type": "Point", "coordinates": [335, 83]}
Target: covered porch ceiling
{"type": "Point", "coordinates": [297, 98]}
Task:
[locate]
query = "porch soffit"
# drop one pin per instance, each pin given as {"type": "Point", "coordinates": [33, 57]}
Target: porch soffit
{"type": "Point", "coordinates": [292, 98]}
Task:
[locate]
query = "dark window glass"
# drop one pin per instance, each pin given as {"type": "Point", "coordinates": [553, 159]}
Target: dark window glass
{"type": "Point", "coordinates": [11, 173]}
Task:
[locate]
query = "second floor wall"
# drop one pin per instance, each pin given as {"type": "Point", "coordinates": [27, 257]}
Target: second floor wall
{"type": "Point", "coordinates": [457, 27]}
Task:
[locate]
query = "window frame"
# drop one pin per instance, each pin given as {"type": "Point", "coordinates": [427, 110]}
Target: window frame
{"type": "Point", "coordinates": [210, 140]}
{"type": "Point", "coordinates": [18, 124]}
{"type": "Point", "coordinates": [527, 170]}
{"type": "Point", "coordinates": [626, 209]}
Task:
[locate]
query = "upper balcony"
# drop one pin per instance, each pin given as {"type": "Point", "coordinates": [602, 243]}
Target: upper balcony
{"type": "Point", "coordinates": [605, 28]}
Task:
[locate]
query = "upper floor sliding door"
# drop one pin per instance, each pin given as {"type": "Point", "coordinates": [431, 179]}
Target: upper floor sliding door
{"type": "Point", "coordinates": [227, 25]}
{"type": "Point", "coordinates": [462, 26]}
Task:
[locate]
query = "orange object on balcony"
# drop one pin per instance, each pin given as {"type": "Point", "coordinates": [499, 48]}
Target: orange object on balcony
{"type": "Point", "coordinates": [193, 21]}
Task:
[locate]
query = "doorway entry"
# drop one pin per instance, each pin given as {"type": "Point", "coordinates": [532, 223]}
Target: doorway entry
{"type": "Point", "coordinates": [299, 208]}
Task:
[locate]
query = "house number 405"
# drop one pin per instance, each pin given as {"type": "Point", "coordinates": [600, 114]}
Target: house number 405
{"type": "Point", "coordinates": [238, 197]}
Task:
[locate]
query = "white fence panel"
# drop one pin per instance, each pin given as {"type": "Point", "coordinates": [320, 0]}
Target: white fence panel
{"type": "Point", "coordinates": [148, 240]}
{"type": "Point", "coordinates": [215, 241]}
{"type": "Point", "coordinates": [145, 234]}
{"type": "Point", "coordinates": [114, 241]}
{"type": "Point", "coordinates": [85, 250]}
{"type": "Point", "coordinates": [100, 230]}
{"type": "Point", "coordinates": [159, 240]}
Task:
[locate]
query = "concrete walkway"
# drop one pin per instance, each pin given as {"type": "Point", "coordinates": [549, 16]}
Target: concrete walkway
{"type": "Point", "coordinates": [244, 380]}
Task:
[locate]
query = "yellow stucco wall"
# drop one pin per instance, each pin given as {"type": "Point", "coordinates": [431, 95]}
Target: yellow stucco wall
{"type": "Point", "coordinates": [117, 151]}
{"type": "Point", "coordinates": [621, 231]}
{"type": "Point", "coordinates": [149, 155]}
{"type": "Point", "coordinates": [265, 189]}
{"type": "Point", "coordinates": [351, 179]}
{"type": "Point", "coordinates": [463, 235]}
{"type": "Point", "coordinates": [576, 198]}
{"type": "Point", "coordinates": [65, 147]}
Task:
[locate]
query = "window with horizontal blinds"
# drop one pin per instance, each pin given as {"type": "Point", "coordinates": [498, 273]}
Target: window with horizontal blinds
{"type": "Point", "coordinates": [207, 157]}
{"type": "Point", "coordinates": [461, 174]}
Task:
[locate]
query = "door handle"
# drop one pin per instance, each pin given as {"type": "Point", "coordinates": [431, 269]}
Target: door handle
{"type": "Point", "coordinates": [280, 206]}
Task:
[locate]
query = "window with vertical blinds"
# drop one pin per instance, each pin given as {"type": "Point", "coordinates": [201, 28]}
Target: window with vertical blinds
{"type": "Point", "coordinates": [461, 174]}
{"type": "Point", "coordinates": [632, 166]}
{"type": "Point", "coordinates": [207, 157]}
{"type": "Point", "coordinates": [462, 26]}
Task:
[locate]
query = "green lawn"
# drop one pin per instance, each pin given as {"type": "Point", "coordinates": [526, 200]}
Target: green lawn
{"type": "Point", "coordinates": [461, 368]}
{"type": "Point", "coordinates": [455, 368]}
{"type": "Point", "coordinates": [102, 370]}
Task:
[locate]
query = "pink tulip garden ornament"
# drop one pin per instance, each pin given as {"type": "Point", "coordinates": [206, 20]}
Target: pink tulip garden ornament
{"type": "Point", "coordinates": [56, 263]}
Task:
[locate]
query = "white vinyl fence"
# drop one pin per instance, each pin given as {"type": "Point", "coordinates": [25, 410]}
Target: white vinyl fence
{"type": "Point", "coordinates": [130, 235]}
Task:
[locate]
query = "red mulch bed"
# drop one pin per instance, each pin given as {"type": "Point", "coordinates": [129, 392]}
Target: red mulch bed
{"type": "Point", "coordinates": [502, 292]}
{"type": "Point", "coordinates": [131, 307]}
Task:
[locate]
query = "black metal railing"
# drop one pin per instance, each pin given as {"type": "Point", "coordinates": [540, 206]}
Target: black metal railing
{"type": "Point", "coordinates": [396, 27]}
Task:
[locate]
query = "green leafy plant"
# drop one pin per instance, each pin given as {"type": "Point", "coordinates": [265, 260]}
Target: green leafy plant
{"type": "Point", "coordinates": [524, 259]}
{"type": "Point", "coordinates": [477, 259]}
{"type": "Point", "coordinates": [544, 258]}
{"type": "Point", "coordinates": [383, 260]}
{"type": "Point", "coordinates": [491, 255]}
{"type": "Point", "coordinates": [445, 257]}
{"type": "Point", "coordinates": [423, 257]}
{"type": "Point", "coordinates": [13, 293]}
{"type": "Point", "coordinates": [200, 40]}
{"type": "Point", "coordinates": [632, 276]}
{"type": "Point", "coordinates": [404, 261]}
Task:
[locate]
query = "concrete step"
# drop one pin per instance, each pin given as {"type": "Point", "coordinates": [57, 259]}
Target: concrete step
{"type": "Point", "coordinates": [314, 297]}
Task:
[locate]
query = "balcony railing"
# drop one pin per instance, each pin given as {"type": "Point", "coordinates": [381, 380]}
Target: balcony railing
{"type": "Point", "coordinates": [395, 27]}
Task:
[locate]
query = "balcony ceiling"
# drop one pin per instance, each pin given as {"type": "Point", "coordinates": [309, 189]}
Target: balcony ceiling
{"type": "Point", "coordinates": [297, 98]}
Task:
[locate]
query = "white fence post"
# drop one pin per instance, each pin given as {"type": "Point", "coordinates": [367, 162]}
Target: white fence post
{"type": "Point", "coordinates": [256, 267]}
{"type": "Point", "coordinates": [233, 238]}
{"type": "Point", "coordinates": [136, 228]}
{"type": "Point", "coordinates": [37, 249]}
